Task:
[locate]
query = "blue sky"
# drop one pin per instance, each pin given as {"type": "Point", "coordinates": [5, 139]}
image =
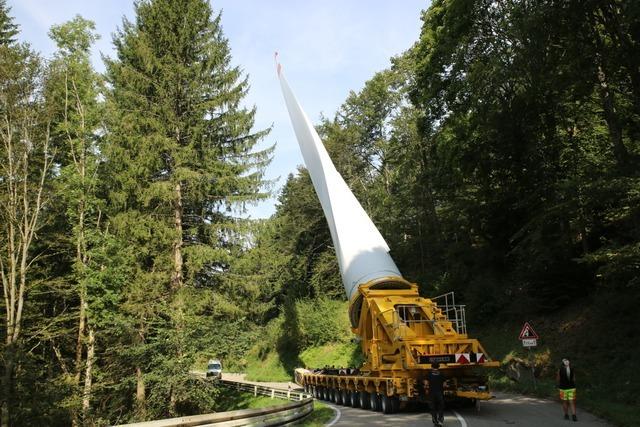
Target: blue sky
{"type": "Point", "coordinates": [327, 48]}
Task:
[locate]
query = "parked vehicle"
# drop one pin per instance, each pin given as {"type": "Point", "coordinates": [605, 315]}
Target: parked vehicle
{"type": "Point", "coordinates": [214, 369]}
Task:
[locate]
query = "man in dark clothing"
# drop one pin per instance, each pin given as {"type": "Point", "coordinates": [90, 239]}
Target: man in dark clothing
{"type": "Point", "coordinates": [435, 380]}
{"type": "Point", "coordinates": [566, 378]}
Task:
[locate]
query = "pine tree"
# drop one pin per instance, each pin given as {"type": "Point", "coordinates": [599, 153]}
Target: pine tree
{"type": "Point", "coordinates": [180, 159]}
{"type": "Point", "coordinates": [8, 30]}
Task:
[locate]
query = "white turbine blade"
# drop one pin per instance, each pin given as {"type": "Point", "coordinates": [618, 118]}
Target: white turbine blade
{"type": "Point", "coordinates": [363, 254]}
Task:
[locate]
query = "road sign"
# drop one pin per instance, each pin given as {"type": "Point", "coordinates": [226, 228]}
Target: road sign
{"type": "Point", "coordinates": [529, 342]}
{"type": "Point", "coordinates": [527, 332]}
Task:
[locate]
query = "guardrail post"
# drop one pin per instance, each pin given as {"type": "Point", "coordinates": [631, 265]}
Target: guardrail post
{"type": "Point", "coordinates": [255, 390]}
{"type": "Point", "coordinates": [301, 396]}
{"type": "Point", "coordinates": [288, 394]}
{"type": "Point", "coordinates": [273, 393]}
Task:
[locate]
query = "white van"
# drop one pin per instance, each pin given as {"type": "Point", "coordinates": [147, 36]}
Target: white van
{"type": "Point", "coordinates": [214, 369]}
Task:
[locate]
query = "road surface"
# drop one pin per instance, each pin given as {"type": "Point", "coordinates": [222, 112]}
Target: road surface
{"type": "Point", "coordinates": [505, 410]}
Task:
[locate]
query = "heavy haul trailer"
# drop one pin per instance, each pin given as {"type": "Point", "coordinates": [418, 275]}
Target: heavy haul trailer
{"type": "Point", "coordinates": [402, 335]}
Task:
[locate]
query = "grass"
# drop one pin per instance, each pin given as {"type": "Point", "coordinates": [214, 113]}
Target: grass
{"type": "Point", "coordinates": [320, 416]}
{"type": "Point", "coordinates": [234, 399]}
{"type": "Point", "coordinates": [268, 369]}
{"type": "Point", "coordinates": [336, 354]}
{"type": "Point", "coordinates": [231, 400]}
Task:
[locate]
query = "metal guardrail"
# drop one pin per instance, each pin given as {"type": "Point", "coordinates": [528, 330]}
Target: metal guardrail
{"type": "Point", "coordinates": [266, 391]}
{"type": "Point", "coordinates": [270, 416]}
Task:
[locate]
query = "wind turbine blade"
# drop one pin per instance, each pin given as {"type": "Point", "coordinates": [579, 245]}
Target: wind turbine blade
{"type": "Point", "coordinates": [363, 254]}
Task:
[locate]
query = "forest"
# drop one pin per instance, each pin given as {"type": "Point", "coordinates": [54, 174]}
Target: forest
{"type": "Point", "coordinates": [499, 156]}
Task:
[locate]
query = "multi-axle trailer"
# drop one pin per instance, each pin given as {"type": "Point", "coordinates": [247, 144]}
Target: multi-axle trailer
{"type": "Point", "coordinates": [402, 335]}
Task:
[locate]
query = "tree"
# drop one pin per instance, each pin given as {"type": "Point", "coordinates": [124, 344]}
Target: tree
{"type": "Point", "coordinates": [8, 30]}
{"type": "Point", "coordinates": [72, 92]}
{"type": "Point", "coordinates": [26, 159]}
{"type": "Point", "coordinates": [180, 158]}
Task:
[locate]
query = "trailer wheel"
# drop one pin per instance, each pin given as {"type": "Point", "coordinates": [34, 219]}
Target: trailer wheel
{"type": "Point", "coordinates": [364, 400]}
{"type": "Point", "coordinates": [374, 402]}
{"type": "Point", "coordinates": [385, 404]}
{"type": "Point", "coordinates": [346, 398]}
{"type": "Point", "coordinates": [325, 394]}
{"type": "Point", "coordinates": [338, 397]}
{"type": "Point", "coordinates": [355, 399]}
{"type": "Point", "coordinates": [395, 404]}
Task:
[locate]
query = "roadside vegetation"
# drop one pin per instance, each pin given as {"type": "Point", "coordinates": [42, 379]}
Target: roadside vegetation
{"type": "Point", "coordinates": [320, 417]}
{"type": "Point", "coordinates": [232, 400]}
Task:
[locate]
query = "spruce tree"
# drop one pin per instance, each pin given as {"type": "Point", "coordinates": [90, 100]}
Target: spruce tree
{"type": "Point", "coordinates": [8, 30]}
{"type": "Point", "coordinates": [180, 160]}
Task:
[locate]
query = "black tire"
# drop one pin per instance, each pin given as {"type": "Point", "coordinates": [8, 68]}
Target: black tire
{"type": "Point", "coordinates": [346, 398]}
{"type": "Point", "coordinates": [386, 404]}
{"type": "Point", "coordinates": [334, 395]}
{"type": "Point", "coordinates": [374, 402]}
{"type": "Point", "coordinates": [355, 399]}
{"type": "Point", "coordinates": [364, 400]}
{"type": "Point", "coordinates": [323, 394]}
{"type": "Point", "coordinates": [395, 404]}
{"type": "Point", "coordinates": [338, 399]}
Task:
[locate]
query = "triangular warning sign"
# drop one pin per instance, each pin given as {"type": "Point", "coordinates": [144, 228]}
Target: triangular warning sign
{"type": "Point", "coordinates": [462, 358]}
{"type": "Point", "coordinates": [527, 332]}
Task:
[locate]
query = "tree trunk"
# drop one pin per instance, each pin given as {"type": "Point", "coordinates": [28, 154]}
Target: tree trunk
{"type": "Point", "coordinates": [86, 395]}
{"type": "Point", "coordinates": [611, 19]}
{"type": "Point", "coordinates": [23, 186]}
{"type": "Point", "coordinates": [176, 279]}
{"type": "Point", "coordinates": [7, 385]}
{"type": "Point", "coordinates": [620, 152]}
{"type": "Point", "coordinates": [80, 339]}
{"type": "Point", "coordinates": [140, 390]}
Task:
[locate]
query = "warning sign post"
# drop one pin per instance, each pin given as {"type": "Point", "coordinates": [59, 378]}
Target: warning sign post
{"type": "Point", "coordinates": [527, 333]}
{"type": "Point", "coordinates": [529, 339]}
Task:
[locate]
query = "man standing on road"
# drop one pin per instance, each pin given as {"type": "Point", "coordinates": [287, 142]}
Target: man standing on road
{"type": "Point", "coordinates": [435, 380]}
{"type": "Point", "coordinates": [566, 378]}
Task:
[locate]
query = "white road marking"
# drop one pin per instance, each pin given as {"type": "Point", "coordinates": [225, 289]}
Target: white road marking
{"type": "Point", "coordinates": [336, 418]}
{"type": "Point", "coordinates": [463, 423]}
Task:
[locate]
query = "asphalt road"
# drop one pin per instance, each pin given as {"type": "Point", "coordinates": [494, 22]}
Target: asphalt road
{"type": "Point", "coordinates": [504, 410]}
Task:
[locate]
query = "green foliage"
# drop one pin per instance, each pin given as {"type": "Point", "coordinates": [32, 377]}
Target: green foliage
{"type": "Point", "coordinates": [8, 29]}
{"type": "Point", "coordinates": [347, 354]}
{"type": "Point", "coordinates": [311, 333]}
{"type": "Point", "coordinates": [322, 321]}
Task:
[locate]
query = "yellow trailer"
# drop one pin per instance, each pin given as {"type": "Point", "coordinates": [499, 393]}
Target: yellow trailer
{"type": "Point", "coordinates": [402, 335]}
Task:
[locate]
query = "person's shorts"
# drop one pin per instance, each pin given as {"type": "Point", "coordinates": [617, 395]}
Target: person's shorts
{"type": "Point", "coordinates": [568, 394]}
